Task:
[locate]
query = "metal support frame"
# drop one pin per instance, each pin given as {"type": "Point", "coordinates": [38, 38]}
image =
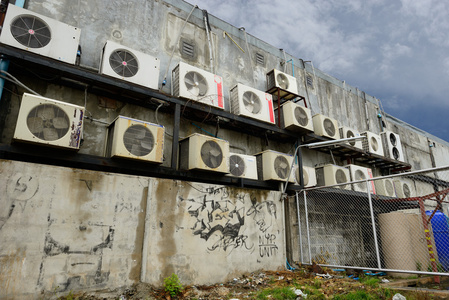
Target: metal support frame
{"type": "Point", "coordinates": [177, 121]}
{"type": "Point", "coordinates": [373, 223]}
{"type": "Point", "coordinates": [307, 226]}
{"type": "Point", "coordinates": [299, 228]}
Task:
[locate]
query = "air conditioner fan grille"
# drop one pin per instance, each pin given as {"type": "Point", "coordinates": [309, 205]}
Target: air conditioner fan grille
{"type": "Point", "coordinates": [350, 134]}
{"type": "Point", "coordinates": [211, 154]}
{"type": "Point", "coordinates": [251, 102]}
{"type": "Point", "coordinates": [281, 166]}
{"type": "Point", "coordinates": [340, 177]}
{"type": "Point", "coordinates": [196, 84]}
{"type": "Point", "coordinates": [30, 31]}
{"type": "Point", "coordinates": [360, 175]}
{"type": "Point", "coordinates": [48, 122]}
{"type": "Point", "coordinates": [301, 116]}
{"type": "Point", "coordinates": [138, 140]}
{"type": "Point", "coordinates": [374, 144]}
{"type": "Point", "coordinates": [389, 187]}
{"type": "Point", "coordinates": [124, 63]}
{"type": "Point", "coordinates": [393, 139]}
{"type": "Point", "coordinates": [329, 127]}
{"type": "Point", "coordinates": [237, 165]}
{"type": "Point", "coordinates": [282, 81]}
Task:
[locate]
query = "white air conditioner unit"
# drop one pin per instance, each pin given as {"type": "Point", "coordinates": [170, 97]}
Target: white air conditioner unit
{"type": "Point", "coordinates": [39, 34]}
{"type": "Point", "coordinates": [325, 126]}
{"type": "Point", "coordinates": [243, 166]}
{"type": "Point", "coordinates": [346, 132]}
{"type": "Point", "coordinates": [131, 65]}
{"type": "Point", "coordinates": [203, 152]}
{"type": "Point", "coordinates": [199, 85]}
{"type": "Point", "coordinates": [361, 173]}
{"type": "Point", "coordinates": [309, 176]}
{"type": "Point", "coordinates": [49, 122]}
{"type": "Point", "coordinates": [278, 79]}
{"type": "Point", "coordinates": [384, 187]}
{"type": "Point", "coordinates": [329, 175]}
{"type": "Point", "coordinates": [372, 143]}
{"type": "Point", "coordinates": [402, 188]}
{"type": "Point", "coordinates": [296, 117]}
{"type": "Point", "coordinates": [273, 165]}
{"type": "Point", "coordinates": [250, 102]}
{"type": "Point", "coordinates": [392, 145]}
{"type": "Point", "coordinates": [135, 139]}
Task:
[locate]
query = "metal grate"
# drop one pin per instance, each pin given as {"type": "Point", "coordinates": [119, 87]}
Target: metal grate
{"type": "Point", "coordinates": [309, 80]}
{"type": "Point", "coordinates": [260, 59]}
{"type": "Point", "coordinates": [188, 49]}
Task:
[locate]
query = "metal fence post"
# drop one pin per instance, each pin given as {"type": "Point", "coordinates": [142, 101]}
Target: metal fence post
{"type": "Point", "coordinates": [373, 222]}
{"type": "Point", "coordinates": [307, 226]}
{"type": "Point", "coordinates": [299, 228]}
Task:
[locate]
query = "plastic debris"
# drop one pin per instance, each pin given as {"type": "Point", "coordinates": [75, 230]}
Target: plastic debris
{"type": "Point", "coordinates": [398, 297]}
{"type": "Point", "coordinates": [327, 276]}
{"type": "Point", "coordinates": [385, 280]}
{"type": "Point", "coordinates": [298, 292]}
{"type": "Point", "coordinates": [370, 273]}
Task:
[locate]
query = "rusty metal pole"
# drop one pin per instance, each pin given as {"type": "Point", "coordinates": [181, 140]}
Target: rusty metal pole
{"type": "Point", "coordinates": [433, 263]}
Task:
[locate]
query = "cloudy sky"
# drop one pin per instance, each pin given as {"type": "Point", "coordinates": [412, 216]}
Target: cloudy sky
{"type": "Point", "coordinates": [394, 50]}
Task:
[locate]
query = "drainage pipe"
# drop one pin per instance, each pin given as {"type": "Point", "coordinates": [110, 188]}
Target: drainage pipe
{"type": "Point", "coordinates": [206, 24]}
{"type": "Point", "coordinates": [4, 62]}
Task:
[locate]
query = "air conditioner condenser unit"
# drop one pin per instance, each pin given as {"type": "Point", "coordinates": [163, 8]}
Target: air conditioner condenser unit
{"type": "Point", "coordinates": [49, 122]}
{"type": "Point", "coordinates": [198, 85]}
{"type": "Point", "coordinates": [325, 126]}
{"type": "Point", "coordinates": [384, 187]}
{"type": "Point", "coordinates": [284, 81]}
{"type": "Point", "coordinates": [329, 175]}
{"type": "Point", "coordinates": [273, 165]}
{"type": "Point", "coordinates": [242, 166]}
{"type": "Point", "coordinates": [296, 117]}
{"type": "Point", "coordinates": [250, 102]}
{"type": "Point", "coordinates": [201, 152]}
{"type": "Point", "coordinates": [372, 143]}
{"type": "Point", "coordinates": [361, 173]}
{"type": "Point", "coordinates": [124, 63]}
{"type": "Point", "coordinates": [392, 145]}
{"type": "Point", "coordinates": [135, 139]}
{"type": "Point", "coordinates": [36, 33]}
{"type": "Point", "coordinates": [346, 132]}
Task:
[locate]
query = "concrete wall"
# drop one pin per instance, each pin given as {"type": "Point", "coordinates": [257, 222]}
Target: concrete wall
{"type": "Point", "coordinates": [65, 229]}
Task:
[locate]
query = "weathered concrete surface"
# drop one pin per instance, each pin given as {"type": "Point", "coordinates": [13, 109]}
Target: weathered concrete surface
{"type": "Point", "coordinates": [65, 229]}
{"type": "Point", "coordinates": [209, 233]}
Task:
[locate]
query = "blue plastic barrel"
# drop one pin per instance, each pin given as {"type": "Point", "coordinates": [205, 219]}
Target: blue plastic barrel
{"type": "Point", "coordinates": [440, 230]}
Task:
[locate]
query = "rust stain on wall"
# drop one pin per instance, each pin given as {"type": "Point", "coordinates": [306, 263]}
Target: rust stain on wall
{"type": "Point", "coordinates": [166, 193]}
{"type": "Point", "coordinates": [136, 256]}
{"type": "Point", "coordinates": [10, 271]}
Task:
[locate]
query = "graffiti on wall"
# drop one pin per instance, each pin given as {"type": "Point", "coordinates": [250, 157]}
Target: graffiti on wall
{"type": "Point", "coordinates": [228, 220]}
{"type": "Point", "coordinates": [19, 190]}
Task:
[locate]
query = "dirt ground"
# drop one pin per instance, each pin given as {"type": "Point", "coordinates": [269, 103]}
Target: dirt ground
{"type": "Point", "coordinates": [317, 283]}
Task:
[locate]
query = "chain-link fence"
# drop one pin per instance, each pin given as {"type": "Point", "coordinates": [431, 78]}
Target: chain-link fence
{"type": "Point", "coordinates": [401, 225]}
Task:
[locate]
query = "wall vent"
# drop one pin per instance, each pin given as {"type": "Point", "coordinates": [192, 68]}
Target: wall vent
{"type": "Point", "coordinates": [309, 81]}
{"type": "Point", "coordinates": [260, 59]}
{"type": "Point", "coordinates": [188, 49]}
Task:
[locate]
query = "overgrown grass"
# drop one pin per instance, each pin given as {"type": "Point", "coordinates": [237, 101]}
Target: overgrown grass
{"type": "Point", "coordinates": [279, 293]}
